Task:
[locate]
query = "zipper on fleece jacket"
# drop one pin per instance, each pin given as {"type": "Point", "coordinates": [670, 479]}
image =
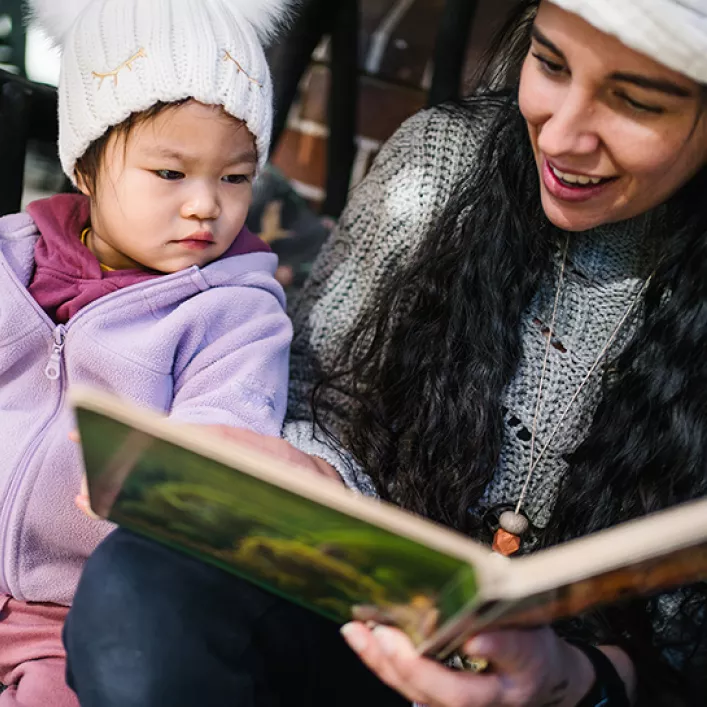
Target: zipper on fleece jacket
{"type": "Point", "coordinates": [53, 368]}
{"type": "Point", "coordinates": [53, 371]}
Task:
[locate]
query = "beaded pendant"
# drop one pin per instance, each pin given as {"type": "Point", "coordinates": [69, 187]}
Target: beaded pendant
{"type": "Point", "coordinates": [506, 540]}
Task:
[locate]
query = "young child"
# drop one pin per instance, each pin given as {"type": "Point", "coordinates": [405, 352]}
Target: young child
{"type": "Point", "coordinates": [145, 283]}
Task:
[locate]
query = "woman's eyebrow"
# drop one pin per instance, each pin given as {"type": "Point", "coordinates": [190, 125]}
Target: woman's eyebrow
{"type": "Point", "coordinates": [652, 84]}
{"type": "Point", "coordinates": [540, 38]}
{"type": "Point", "coordinates": [661, 85]}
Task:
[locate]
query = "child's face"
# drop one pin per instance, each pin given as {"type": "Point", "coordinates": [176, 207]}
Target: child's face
{"type": "Point", "coordinates": [175, 193]}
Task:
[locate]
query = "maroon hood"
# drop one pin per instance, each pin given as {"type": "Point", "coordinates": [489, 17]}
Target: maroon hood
{"type": "Point", "coordinates": [67, 275]}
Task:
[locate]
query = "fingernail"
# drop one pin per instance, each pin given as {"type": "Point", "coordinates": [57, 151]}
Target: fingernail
{"type": "Point", "coordinates": [476, 646]}
{"type": "Point", "coordinates": [354, 636]}
{"type": "Point", "coordinates": [386, 639]}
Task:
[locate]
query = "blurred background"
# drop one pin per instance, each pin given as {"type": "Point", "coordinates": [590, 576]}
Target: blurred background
{"type": "Point", "coordinates": [347, 73]}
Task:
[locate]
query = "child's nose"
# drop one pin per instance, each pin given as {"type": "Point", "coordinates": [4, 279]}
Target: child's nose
{"type": "Point", "coordinates": [202, 203]}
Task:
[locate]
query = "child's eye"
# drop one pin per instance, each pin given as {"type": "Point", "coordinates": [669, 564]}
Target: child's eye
{"type": "Point", "coordinates": [236, 179]}
{"type": "Point", "coordinates": [169, 174]}
{"type": "Point", "coordinates": [548, 66]}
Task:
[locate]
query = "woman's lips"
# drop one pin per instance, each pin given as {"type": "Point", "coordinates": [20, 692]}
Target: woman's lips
{"type": "Point", "coordinates": [575, 192]}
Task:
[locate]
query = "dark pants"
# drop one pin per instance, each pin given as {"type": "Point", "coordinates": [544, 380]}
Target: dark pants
{"type": "Point", "coordinates": [152, 627]}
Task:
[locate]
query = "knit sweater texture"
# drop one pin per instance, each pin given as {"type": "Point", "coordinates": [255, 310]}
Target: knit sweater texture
{"type": "Point", "coordinates": [387, 217]}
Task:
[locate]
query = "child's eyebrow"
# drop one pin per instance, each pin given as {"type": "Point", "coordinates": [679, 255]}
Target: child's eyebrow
{"type": "Point", "coordinates": [243, 157]}
{"type": "Point", "coordinates": [246, 156]}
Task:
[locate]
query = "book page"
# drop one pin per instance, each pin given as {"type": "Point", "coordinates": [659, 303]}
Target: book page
{"type": "Point", "coordinates": [644, 578]}
{"type": "Point", "coordinates": [312, 541]}
{"type": "Point", "coordinates": [333, 563]}
{"type": "Point", "coordinates": [645, 556]}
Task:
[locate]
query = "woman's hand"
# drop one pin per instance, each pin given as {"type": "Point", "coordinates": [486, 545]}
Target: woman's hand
{"type": "Point", "coordinates": [277, 447]}
{"type": "Point", "coordinates": [533, 667]}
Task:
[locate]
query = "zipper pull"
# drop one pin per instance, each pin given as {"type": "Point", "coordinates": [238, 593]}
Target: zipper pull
{"type": "Point", "coordinates": [53, 369]}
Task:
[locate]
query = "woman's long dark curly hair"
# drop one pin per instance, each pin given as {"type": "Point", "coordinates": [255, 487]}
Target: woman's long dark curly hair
{"type": "Point", "coordinates": [425, 370]}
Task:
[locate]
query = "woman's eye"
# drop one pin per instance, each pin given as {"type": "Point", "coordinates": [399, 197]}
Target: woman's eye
{"type": "Point", "coordinates": [639, 107]}
{"type": "Point", "coordinates": [169, 174]}
{"type": "Point", "coordinates": [236, 179]}
{"type": "Point", "coordinates": [549, 66]}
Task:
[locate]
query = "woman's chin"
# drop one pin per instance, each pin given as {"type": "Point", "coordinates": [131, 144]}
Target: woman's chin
{"type": "Point", "coordinates": [574, 218]}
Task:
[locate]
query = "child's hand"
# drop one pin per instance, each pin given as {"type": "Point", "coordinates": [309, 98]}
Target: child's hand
{"type": "Point", "coordinates": [81, 501]}
{"type": "Point", "coordinates": [269, 445]}
{"type": "Point", "coordinates": [277, 447]}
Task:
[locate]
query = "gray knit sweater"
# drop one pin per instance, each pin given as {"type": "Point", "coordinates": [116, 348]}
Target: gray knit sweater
{"type": "Point", "coordinates": [386, 218]}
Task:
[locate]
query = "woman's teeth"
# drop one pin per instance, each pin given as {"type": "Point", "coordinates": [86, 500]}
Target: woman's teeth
{"type": "Point", "coordinates": [576, 179]}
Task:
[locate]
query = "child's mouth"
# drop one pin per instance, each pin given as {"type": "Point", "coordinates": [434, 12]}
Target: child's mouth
{"type": "Point", "coordinates": [197, 241]}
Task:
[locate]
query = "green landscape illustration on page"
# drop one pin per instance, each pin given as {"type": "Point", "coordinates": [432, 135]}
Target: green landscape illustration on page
{"type": "Point", "coordinates": [330, 562]}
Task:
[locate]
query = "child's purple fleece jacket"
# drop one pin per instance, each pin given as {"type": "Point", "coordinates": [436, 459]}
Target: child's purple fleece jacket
{"type": "Point", "coordinates": [205, 345]}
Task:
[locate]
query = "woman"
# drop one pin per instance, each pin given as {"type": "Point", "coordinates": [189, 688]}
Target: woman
{"type": "Point", "coordinates": [511, 316]}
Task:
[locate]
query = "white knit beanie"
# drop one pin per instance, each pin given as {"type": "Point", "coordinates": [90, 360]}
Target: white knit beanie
{"type": "Point", "coordinates": [673, 32]}
{"type": "Point", "coordinates": [122, 56]}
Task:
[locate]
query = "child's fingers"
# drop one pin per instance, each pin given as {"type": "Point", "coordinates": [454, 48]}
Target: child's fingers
{"type": "Point", "coordinates": [82, 501]}
{"type": "Point", "coordinates": [285, 275]}
{"type": "Point", "coordinates": [83, 504]}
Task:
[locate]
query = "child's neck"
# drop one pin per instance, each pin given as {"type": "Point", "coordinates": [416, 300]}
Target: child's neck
{"type": "Point", "coordinates": [86, 240]}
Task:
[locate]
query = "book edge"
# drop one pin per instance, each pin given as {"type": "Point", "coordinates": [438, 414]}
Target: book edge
{"type": "Point", "coordinates": [639, 540]}
{"type": "Point", "coordinates": [270, 469]}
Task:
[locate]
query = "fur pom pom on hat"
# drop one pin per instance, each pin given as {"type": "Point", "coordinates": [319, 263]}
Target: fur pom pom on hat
{"type": "Point", "coordinates": [120, 57]}
{"type": "Point", "coordinates": [57, 16]}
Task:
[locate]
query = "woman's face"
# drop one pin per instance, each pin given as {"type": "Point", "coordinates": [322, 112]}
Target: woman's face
{"type": "Point", "coordinates": [614, 133]}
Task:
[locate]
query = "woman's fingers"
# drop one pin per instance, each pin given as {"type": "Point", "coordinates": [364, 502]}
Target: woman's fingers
{"type": "Point", "coordinates": [538, 666]}
{"type": "Point", "coordinates": [506, 651]}
{"type": "Point", "coordinates": [391, 655]}
{"type": "Point", "coordinates": [372, 652]}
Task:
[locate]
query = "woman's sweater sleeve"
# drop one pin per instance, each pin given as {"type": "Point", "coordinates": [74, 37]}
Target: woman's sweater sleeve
{"type": "Point", "coordinates": [386, 218]}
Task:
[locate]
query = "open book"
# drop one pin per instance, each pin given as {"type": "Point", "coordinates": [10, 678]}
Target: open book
{"type": "Point", "coordinates": [343, 555]}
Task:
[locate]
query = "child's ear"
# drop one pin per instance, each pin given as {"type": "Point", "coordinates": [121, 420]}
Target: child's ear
{"type": "Point", "coordinates": [81, 183]}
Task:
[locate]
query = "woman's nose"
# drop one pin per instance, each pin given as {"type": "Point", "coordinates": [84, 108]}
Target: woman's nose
{"type": "Point", "coordinates": [571, 129]}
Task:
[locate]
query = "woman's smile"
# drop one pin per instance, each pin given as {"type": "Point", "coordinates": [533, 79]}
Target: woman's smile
{"type": "Point", "coordinates": [573, 186]}
{"type": "Point", "coordinates": [614, 132]}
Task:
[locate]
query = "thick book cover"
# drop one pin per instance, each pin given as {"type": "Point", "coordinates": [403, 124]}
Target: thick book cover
{"type": "Point", "coordinates": [345, 556]}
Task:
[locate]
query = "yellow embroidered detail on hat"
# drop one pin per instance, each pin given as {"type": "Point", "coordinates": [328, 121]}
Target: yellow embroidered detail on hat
{"type": "Point", "coordinates": [127, 64]}
{"type": "Point", "coordinates": [228, 57]}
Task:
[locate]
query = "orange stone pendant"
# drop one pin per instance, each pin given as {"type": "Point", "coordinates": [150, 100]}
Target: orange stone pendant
{"type": "Point", "coordinates": [505, 543]}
